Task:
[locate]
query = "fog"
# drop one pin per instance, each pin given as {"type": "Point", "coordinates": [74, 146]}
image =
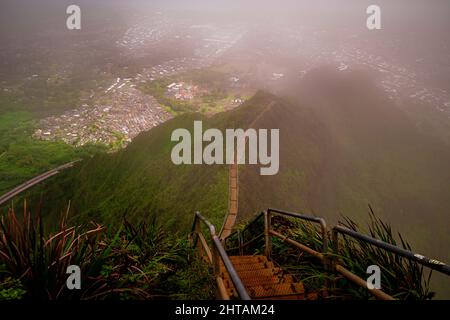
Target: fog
{"type": "Point", "coordinates": [411, 30]}
{"type": "Point", "coordinates": [318, 53]}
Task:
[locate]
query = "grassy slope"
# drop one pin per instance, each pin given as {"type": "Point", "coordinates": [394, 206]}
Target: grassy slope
{"type": "Point", "coordinates": [340, 150]}
{"type": "Point", "coordinates": [22, 157]}
{"type": "Point", "coordinates": [381, 158]}
{"type": "Point", "coordinates": [216, 82]}
{"type": "Point", "coordinates": [345, 145]}
{"type": "Point", "coordinates": [141, 182]}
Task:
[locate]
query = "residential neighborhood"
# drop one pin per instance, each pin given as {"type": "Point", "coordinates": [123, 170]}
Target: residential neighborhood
{"type": "Point", "coordinates": [129, 113]}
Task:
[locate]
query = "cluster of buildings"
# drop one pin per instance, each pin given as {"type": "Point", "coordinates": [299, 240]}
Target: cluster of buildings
{"type": "Point", "coordinates": [129, 113]}
{"type": "Point", "coordinates": [119, 111]}
{"type": "Point", "coordinates": [398, 81]}
{"type": "Point", "coordinates": [119, 84]}
{"type": "Point", "coordinates": [170, 68]}
{"type": "Point", "coordinates": [216, 41]}
{"type": "Point", "coordinates": [395, 79]}
{"type": "Point", "coordinates": [145, 32]}
{"type": "Point", "coordinates": [182, 91]}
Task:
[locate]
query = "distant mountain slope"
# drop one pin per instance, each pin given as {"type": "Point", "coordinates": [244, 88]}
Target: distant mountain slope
{"type": "Point", "coordinates": [343, 145]}
{"type": "Point", "coordinates": [142, 180]}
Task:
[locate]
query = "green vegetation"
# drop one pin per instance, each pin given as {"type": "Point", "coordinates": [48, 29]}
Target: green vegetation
{"type": "Point", "coordinates": [11, 289]}
{"type": "Point", "coordinates": [23, 157]}
{"type": "Point", "coordinates": [129, 263]}
{"type": "Point", "coordinates": [109, 187]}
{"type": "Point", "coordinates": [339, 151]}
{"type": "Point", "coordinates": [216, 97]}
{"type": "Point", "coordinates": [119, 142]}
{"type": "Point", "coordinates": [158, 89]}
{"type": "Point", "coordinates": [331, 161]}
{"type": "Point", "coordinates": [147, 262]}
{"type": "Point", "coordinates": [343, 144]}
{"type": "Point", "coordinates": [141, 182]}
{"type": "Point", "coordinates": [401, 278]}
{"type": "Point", "coordinates": [50, 96]}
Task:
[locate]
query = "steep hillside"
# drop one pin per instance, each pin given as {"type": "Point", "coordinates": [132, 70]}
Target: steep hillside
{"type": "Point", "coordinates": [344, 145]}
{"type": "Point", "coordinates": [141, 182]}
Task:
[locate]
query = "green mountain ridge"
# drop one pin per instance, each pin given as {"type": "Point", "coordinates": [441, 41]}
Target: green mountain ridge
{"type": "Point", "coordinates": [343, 145]}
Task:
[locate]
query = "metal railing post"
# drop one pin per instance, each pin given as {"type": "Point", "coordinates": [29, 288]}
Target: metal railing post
{"type": "Point", "coordinates": [197, 231]}
{"type": "Point", "coordinates": [217, 254]}
{"type": "Point", "coordinates": [267, 235]}
{"type": "Point", "coordinates": [240, 241]}
{"type": "Point", "coordinates": [430, 263]}
{"type": "Point", "coordinates": [334, 258]}
{"type": "Point", "coordinates": [215, 260]}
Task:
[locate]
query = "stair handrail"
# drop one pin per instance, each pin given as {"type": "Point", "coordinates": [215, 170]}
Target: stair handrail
{"type": "Point", "coordinates": [317, 220]}
{"type": "Point", "coordinates": [215, 253]}
{"type": "Point", "coordinates": [329, 264]}
{"type": "Point", "coordinates": [430, 263]}
{"type": "Point", "coordinates": [329, 259]}
{"type": "Point", "coordinates": [378, 293]}
{"type": "Point", "coordinates": [240, 233]}
{"type": "Point", "coordinates": [269, 232]}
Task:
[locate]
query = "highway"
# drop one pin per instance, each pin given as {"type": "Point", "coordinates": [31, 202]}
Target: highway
{"type": "Point", "coordinates": [30, 183]}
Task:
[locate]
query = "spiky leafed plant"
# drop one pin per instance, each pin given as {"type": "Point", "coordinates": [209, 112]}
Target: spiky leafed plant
{"type": "Point", "coordinates": [250, 233]}
{"type": "Point", "coordinates": [303, 266]}
{"type": "Point", "coordinates": [402, 278]}
{"type": "Point", "coordinates": [134, 263]}
{"type": "Point", "coordinates": [140, 257]}
{"type": "Point", "coordinates": [146, 262]}
{"type": "Point", "coordinates": [40, 262]}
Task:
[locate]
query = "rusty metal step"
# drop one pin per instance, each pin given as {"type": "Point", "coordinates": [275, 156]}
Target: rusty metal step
{"type": "Point", "coordinates": [298, 296]}
{"type": "Point", "coordinates": [259, 273]}
{"type": "Point", "coordinates": [236, 260]}
{"type": "Point", "coordinates": [233, 208]}
{"type": "Point", "coordinates": [308, 296]}
{"type": "Point", "coordinates": [277, 290]}
{"type": "Point", "coordinates": [261, 276]}
{"type": "Point", "coordinates": [263, 280]}
{"type": "Point", "coordinates": [268, 280]}
{"type": "Point", "coordinates": [254, 266]}
{"type": "Point", "coordinates": [247, 279]}
{"type": "Point", "coordinates": [255, 275]}
{"type": "Point", "coordinates": [287, 297]}
{"type": "Point", "coordinates": [250, 266]}
{"type": "Point", "coordinates": [292, 296]}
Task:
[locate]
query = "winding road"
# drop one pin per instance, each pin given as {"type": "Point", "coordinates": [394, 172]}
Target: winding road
{"type": "Point", "coordinates": [28, 184]}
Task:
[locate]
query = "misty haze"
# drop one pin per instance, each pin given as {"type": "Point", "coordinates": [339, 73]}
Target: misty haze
{"type": "Point", "coordinates": [364, 140]}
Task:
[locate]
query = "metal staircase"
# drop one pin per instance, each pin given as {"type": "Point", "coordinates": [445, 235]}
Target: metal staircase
{"type": "Point", "coordinates": [230, 219]}
{"type": "Point", "coordinates": [245, 277]}
{"type": "Point", "coordinates": [262, 280]}
{"type": "Point", "coordinates": [242, 276]}
{"type": "Point", "coordinates": [239, 275]}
